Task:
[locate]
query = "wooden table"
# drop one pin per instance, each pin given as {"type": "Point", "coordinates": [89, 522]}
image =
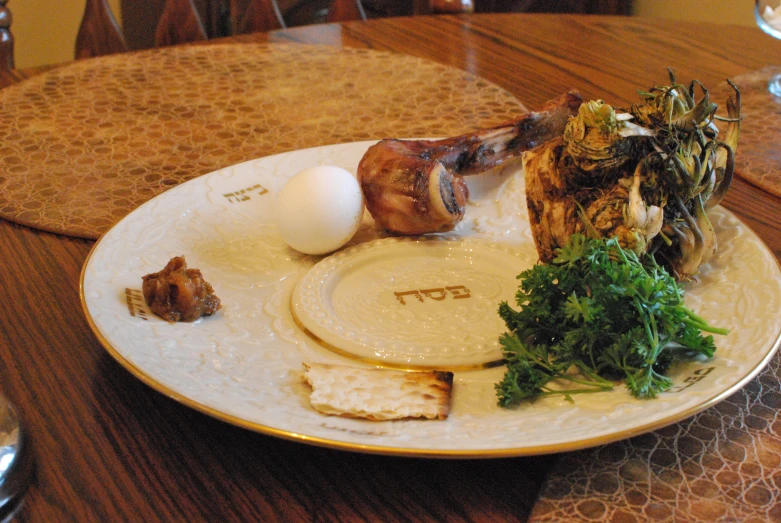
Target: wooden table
{"type": "Point", "coordinates": [109, 448]}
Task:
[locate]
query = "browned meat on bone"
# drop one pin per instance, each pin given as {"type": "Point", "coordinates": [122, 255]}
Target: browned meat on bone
{"type": "Point", "coordinates": [415, 186]}
{"type": "Point", "coordinates": [179, 294]}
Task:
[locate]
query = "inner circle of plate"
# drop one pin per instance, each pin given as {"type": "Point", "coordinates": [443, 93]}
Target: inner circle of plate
{"type": "Point", "coordinates": [412, 303]}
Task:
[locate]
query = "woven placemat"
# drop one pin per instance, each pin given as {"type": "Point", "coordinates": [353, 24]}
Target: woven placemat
{"type": "Point", "coordinates": [724, 464]}
{"type": "Point", "coordinates": [83, 145]}
{"type": "Point", "coordinates": [758, 158]}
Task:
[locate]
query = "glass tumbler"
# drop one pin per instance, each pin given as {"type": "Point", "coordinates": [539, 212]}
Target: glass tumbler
{"type": "Point", "coordinates": [768, 17]}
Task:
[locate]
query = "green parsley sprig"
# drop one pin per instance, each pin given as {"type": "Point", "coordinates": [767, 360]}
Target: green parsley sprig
{"type": "Point", "coordinates": [597, 314]}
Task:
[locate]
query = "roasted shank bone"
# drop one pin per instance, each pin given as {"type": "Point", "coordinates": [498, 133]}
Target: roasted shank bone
{"type": "Point", "coordinates": [415, 186]}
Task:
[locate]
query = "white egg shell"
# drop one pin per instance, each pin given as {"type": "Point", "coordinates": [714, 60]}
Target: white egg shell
{"type": "Point", "coordinates": [319, 209]}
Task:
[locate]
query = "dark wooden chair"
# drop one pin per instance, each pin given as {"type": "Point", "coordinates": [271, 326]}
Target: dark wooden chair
{"type": "Point", "coordinates": [154, 23]}
{"type": "Point", "coordinates": [228, 17]}
{"type": "Point", "coordinates": [179, 21]}
{"type": "Point", "coordinates": [6, 39]}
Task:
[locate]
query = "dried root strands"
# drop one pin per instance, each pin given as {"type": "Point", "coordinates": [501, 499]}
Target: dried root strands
{"type": "Point", "coordinates": [598, 139]}
{"type": "Point", "coordinates": [645, 176]}
{"type": "Point", "coordinates": [724, 163]}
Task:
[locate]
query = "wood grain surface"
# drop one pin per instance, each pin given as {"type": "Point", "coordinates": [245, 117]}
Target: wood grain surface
{"type": "Point", "coordinates": [108, 448]}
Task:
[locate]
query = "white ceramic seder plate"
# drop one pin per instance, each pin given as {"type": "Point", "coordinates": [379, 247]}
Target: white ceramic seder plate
{"type": "Point", "coordinates": [243, 365]}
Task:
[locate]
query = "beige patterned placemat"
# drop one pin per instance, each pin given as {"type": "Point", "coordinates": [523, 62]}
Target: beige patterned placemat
{"type": "Point", "coordinates": [758, 159]}
{"type": "Point", "coordinates": [723, 464]}
{"type": "Point", "coordinates": [82, 145]}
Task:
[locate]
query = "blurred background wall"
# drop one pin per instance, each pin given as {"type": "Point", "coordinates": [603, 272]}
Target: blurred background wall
{"type": "Point", "coordinates": [45, 30]}
{"type": "Point", "coordinates": [739, 12]}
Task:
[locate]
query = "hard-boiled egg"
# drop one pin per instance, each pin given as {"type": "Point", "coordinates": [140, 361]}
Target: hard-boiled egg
{"type": "Point", "coordinates": [319, 209]}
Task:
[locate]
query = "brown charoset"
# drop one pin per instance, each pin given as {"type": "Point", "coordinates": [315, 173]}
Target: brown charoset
{"type": "Point", "coordinates": [179, 294]}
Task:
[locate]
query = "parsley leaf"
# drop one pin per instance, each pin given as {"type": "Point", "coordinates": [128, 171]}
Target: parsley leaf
{"type": "Point", "coordinates": [596, 313]}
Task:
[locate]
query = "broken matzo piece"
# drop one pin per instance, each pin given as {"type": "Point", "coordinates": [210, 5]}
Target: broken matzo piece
{"type": "Point", "coordinates": [378, 394]}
